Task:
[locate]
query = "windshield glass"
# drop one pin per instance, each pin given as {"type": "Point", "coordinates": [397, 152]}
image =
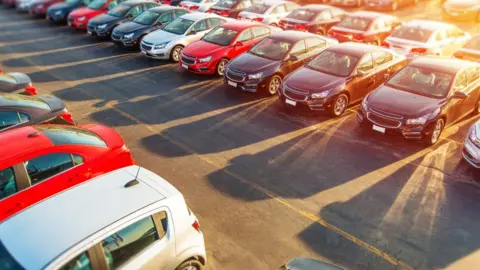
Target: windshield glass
{"type": "Point", "coordinates": [7, 261]}
{"type": "Point", "coordinates": [474, 43]}
{"type": "Point", "coordinates": [74, 1]}
{"type": "Point", "coordinates": [119, 11]}
{"type": "Point", "coordinates": [258, 8]}
{"type": "Point", "coordinates": [96, 4]}
{"type": "Point", "coordinates": [178, 26]}
{"type": "Point", "coordinates": [147, 17]}
{"type": "Point", "coordinates": [412, 33]}
{"type": "Point", "coordinates": [301, 14]}
{"type": "Point", "coordinates": [333, 63]}
{"type": "Point", "coordinates": [355, 23]}
{"type": "Point", "coordinates": [65, 135]}
{"type": "Point", "coordinates": [422, 81]}
{"type": "Point", "coordinates": [220, 36]}
{"type": "Point", "coordinates": [271, 49]}
{"type": "Point", "coordinates": [225, 4]}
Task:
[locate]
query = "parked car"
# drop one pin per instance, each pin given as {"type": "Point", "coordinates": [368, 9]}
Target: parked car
{"type": "Point", "coordinates": [339, 76]}
{"type": "Point", "coordinates": [471, 50]}
{"type": "Point", "coordinates": [317, 19]}
{"type": "Point", "coordinates": [230, 8]}
{"type": "Point", "coordinates": [130, 218]}
{"type": "Point", "coordinates": [131, 34]}
{"type": "Point", "coordinates": [40, 161]}
{"type": "Point", "coordinates": [461, 10]}
{"type": "Point", "coordinates": [388, 4]}
{"type": "Point", "coordinates": [23, 5]}
{"type": "Point", "coordinates": [102, 25]}
{"type": "Point", "coordinates": [15, 82]}
{"type": "Point", "coordinates": [364, 26]}
{"type": "Point", "coordinates": [264, 66]}
{"type": "Point", "coordinates": [9, 3]}
{"type": "Point", "coordinates": [308, 264]}
{"type": "Point", "coordinates": [211, 54]}
{"type": "Point", "coordinates": [59, 12]}
{"type": "Point", "coordinates": [198, 5]}
{"type": "Point", "coordinates": [423, 98]}
{"type": "Point", "coordinates": [422, 37]}
{"type": "Point", "coordinates": [168, 42]}
{"type": "Point", "coordinates": [471, 148]}
{"type": "Point", "coordinates": [39, 7]}
{"type": "Point", "coordinates": [21, 110]}
{"type": "Point", "coordinates": [347, 3]}
{"type": "Point", "coordinates": [269, 12]}
{"type": "Point", "coordinates": [80, 17]}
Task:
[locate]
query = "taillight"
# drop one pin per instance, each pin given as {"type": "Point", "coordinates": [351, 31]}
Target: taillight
{"type": "Point", "coordinates": [257, 19]}
{"type": "Point", "coordinates": [358, 36]}
{"type": "Point", "coordinates": [196, 226]}
{"type": "Point", "coordinates": [331, 32]}
{"type": "Point", "coordinates": [301, 27]}
{"type": "Point", "coordinates": [458, 55]}
{"type": "Point", "coordinates": [67, 117]}
{"type": "Point", "coordinates": [209, 11]}
{"type": "Point", "coordinates": [194, 7]}
{"type": "Point", "coordinates": [31, 90]}
{"type": "Point", "coordinates": [385, 44]}
{"type": "Point", "coordinates": [419, 50]}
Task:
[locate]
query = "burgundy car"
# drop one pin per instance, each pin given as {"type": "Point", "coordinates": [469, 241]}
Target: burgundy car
{"type": "Point", "coordinates": [40, 7]}
{"type": "Point", "coordinates": [364, 26]}
{"type": "Point", "coordinates": [339, 76]}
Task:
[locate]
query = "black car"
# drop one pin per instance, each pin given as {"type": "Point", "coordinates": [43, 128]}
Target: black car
{"type": "Point", "coordinates": [230, 8]}
{"type": "Point", "coordinates": [130, 34]}
{"type": "Point", "coordinates": [59, 12]}
{"type": "Point", "coordinates": [21, 110]}
{"type": "Point", "coordinates": [103, 25]}
{"type": "Point", "coordinates": [13, 82]}
{"type": "Point", "coordinates": [471, 50]}
{"type": "Point", "coordinates": [266, 64]}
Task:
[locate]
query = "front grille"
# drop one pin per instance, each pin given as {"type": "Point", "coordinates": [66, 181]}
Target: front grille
{"type": "Point", "coordinates": [188, 59]}
{"type": "Point", "coordinates": [295, 94]}
{"type": "Point", "coordinates": [235, 75]}
{"type": "Point", "coordinates": [382, 121]}
{"type": "Point", "coordinates": [146, 47]}
{"type": "Point", "coordinates": [116, 36]}
{"type": "Point", "coordinates": [386, 114]}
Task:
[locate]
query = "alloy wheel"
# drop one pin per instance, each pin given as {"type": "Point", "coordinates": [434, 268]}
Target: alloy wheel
{"type": "Point", "coordinates": [437, 130]}
{"type": "Point", "coordinates": [340, 105]}
{"type": "Point", "coordinates": [221, 67]}
{"type": "Point", "coordinates": [176, 53]}
{"type": "Point", "coordinates": [274, 85]}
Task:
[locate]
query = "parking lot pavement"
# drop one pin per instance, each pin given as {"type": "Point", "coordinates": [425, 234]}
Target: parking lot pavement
{"type": "Point", "coordinates": [266, 184]}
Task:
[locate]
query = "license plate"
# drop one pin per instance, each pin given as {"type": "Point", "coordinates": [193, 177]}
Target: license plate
{"type": "Point", "coordinates": [89, 32]}
{"type": "Point", "coordinates": [144, 52]}
{"type": "Point", "coordinates": [290, 102]}
{"type": "Point", "coordinates": [234, 84]}
{"type": "Point", "coordinates": [379, 129]}
{"type": "Point", "coordinates": [185, 66]}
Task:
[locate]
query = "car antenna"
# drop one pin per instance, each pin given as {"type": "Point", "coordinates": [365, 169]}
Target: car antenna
{"type": "Point", "coordinates": [133, 182]}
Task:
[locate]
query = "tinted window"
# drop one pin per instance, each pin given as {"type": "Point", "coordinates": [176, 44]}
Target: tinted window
{"type": "Point", "coordinates": [461, 81]}
{"type": "Point", "coordinates": [279, 9]}
{"type": "Point", "coordinates": [412, 33]}
{"type": "Point", "coordinates": [301, 14]}
{"type": "Point", "coordinates": [324, 16]}
{"type": "Point", "coordinates": [62, 135]}
{"type": "Point", "coordinates": [150, 5]}
{"type": "Point", "coordinates": [382, 57]}
{"type": "Point", "coordinates": [10, 118]}
{"type": "Point", "coordinates": [165, 17]}
{"type": "Point", "coordinates": [8, 185]}
{"type": "Point", "coordinates": [315, 43]}
{"type": "Point", "coordinates": [146, 18]}
{"type": "Point", "coordinates": [81, 262]}
{"type": "Point", "coordinates": [440, 36]}
{"type": "Point", "coordinates": [200, 26]}
{"type": "Point", "coordinates": [214, 22]}
{"type": "Point", "coordinates": [355, 23]}
{"type": "Point", "coordinates": [46, 166]}
{"type": "Point", "coordinates": [298, 49]}
{"type": "Point", "coordinates": [97, 4]}
{"type": "Point", "coordinates": [258, 8]}
{"type": "Point", "coordinates": [135, 11]}
{"type": "Point", "coordinates": [260, 31]}
{"type": "Point", "coordinates": [220, 36]}
{"type": "Point", "coordinates": [13, 100]}
{"type": "Point", "coordinates": [119, 11]}
{"type": "Point", "coordinates": [77, 160]}
{"type": "Point", "coordinates": [271, 49]}
{"type": "Point", "coordinates": [178, 26]}
{"type": "Point", "coordinates": [179, 13]}
{"type": "Point", "coordinates": [333, 63]}
{"type": "Point", "coordinates": [366, 64]}
{"type": "Point", "coordinates": [246, 35]}
{"type": "Point", "coordinates": [131, 240]}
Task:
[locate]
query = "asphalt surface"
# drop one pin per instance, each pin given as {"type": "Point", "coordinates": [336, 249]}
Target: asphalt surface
{"type": "Point", "coordinates": [267, 185]}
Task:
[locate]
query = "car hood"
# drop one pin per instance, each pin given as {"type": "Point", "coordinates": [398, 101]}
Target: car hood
{"type": "Point", "coordinates": [129, 27]}
{"type": "Point", "coordinates": [313, 81]}
{"type": "Point", "coordinates": [202, 48]}
{"type": "Point", "coordinates": [105, 18]}
{"type": "Point", "coordinates": [250, 63]}
{"type": "Point", "coordinates": [160, 36]}
{"type": "Point", "coordinates": [462, 3]}
{"type": "Point", "coordinates": [84, 11]}
{"type": "Point", "coordinates": [54, 102]}
{"type": "Point", "coordinates": [400, 102]}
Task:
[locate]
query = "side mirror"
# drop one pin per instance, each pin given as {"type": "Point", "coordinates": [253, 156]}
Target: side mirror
{"type": "Point", "coordinates": [238, 44]}
{"type": "Point", "coordinates": [193, 32]}
{"type": "Point", "coordinates": [459, 95]}
{"type": "Point", "coordinates": [293, 58]}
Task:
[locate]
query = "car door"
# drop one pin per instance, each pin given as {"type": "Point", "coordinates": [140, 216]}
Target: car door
{"type": "Point", "coordinates": [364, 79]}
{"type": "Point", "coordinates": [456, 106]}
{"type": "Point", "coordinates": [247, 41]}
{"type": "Point", "coordinates": [383, 67]}
{"type": "Point", "coordinates": [324, 21]}
{"type": "Point", "coordinates": [11, 118]}
{"type": "Point", "coordinates": [164, 19]}
{"type": "Point", "coordinates": [299, 51]}
{"type": "Point", "coordinates": [472, 91]}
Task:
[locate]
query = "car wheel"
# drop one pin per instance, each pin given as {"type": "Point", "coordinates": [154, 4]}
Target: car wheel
{"type": "Point", "coordinates": [221, 67]}
{"type": "Point", "coordinates": [175, 54]}
{"type": "Point", "coordinates": [140, 39]}
{"type": "Point", "coordinates": [274, 84]}
{"type": "Point", "coordinates": [394, 6]}
{"type": "Point", "coordinates": [436, 132]}
{"type": "Point", "coordinates": [192, 264]}
{"type": "Point", "coordinates": [339, 105]}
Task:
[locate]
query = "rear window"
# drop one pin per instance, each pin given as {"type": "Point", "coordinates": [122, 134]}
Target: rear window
{"type": "Point", "coordinates": [7, 261]}
{"type": "Point", "coordinates": [13, 100]}
{"type": "Point", "coordinates": [64, 135]}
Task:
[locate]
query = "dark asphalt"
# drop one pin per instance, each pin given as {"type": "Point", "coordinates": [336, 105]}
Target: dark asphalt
{"type": "Point", "coordinates": [257, 177]}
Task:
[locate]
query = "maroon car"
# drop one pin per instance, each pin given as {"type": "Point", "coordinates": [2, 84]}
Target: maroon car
{"type": "Point", "coordinates": [364, 26]}
{"type": "Point", "coordinates": [339, 76]}
{"type": "Point", "coordinates": [40, 7]}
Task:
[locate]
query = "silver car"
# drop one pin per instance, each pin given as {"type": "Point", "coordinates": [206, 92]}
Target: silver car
{"type": "Point", "coordinates": [471, 149]}
{"type": "Point", "coordinates": [423, 37]}
{"type": "Point", "coordinates": [269, 12]}
{"type": "Point", "coordinates": [198, 5]}
{"type": "Point", "coordinates": [167, 43]}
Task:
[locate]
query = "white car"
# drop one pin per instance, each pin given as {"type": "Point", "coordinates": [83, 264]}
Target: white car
{"type": "Point", "coordinates": [471, 148]}
{"type": "Point", "coordinates": [268, 12]}
{"type": "Point", "coordinates": [168, 43]}
{"type": "Point", "coordinates": [130, 218]}
{"type": "Point", "coordinates": [424, 37]}
{"type": "Point", "coordinates": [198, 5]}
{"type": "Point", "coordinates": [24, 5]}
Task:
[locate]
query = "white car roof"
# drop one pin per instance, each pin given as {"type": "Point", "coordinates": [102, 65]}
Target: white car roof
{"type": "Point", "coordinates": [195, 16]}
{"type": "Point", "coordinates": [37, 235]}
{"type": "Point", "coordinates": [427, 24]}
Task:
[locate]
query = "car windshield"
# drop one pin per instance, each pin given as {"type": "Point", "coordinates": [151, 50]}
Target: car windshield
{"type": "Point", "coordinates": [258, 8]}
{"type": "Point", "coordinates": [355, 23]}
{"type": "Point", "coordinates": [333, 63]}
{"type": "Point", "coordinates": [178, 26]}
{"type": "Point", "coordinates": [271, 49]}
{"type": "Point", "coordinates": [65, 135]}
{"type": "Point", "coordinates": [147, 17]}
{"type": "Point", "coordinates": [7, 261]}
{"type": "Point", "coordinates": [301, 14]}
{"type": "Point", "coordinates": [119, 11]}
{"type": "Point", "coordinates": [96, 4]}
{"type": "Point", "coordinates": [225, 4]}
{"type": "Point", "coordinates": [474, 43]}
{"type": "Point", "coordinates": [220, 36]}
{"type": "Point", "coordinates": [7, 79]}
{"type": "Point", "coordinates": [422, 81]}
{"type": "Point", "coordinates": [15, 100]}
{"type": "Point", "coordinates": [412, 33]}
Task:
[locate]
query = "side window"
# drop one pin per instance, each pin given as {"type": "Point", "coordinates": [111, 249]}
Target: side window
{"type": "Point", "coordinates": [129, 241]}
{"type": "Point", "coordinates": [77, 160]}
{"type": "Point", "coordinates": [246, 35]}
{"type": "Point", "coordinates": [298, 49]}
{"type": "Point", "coordinates": [214, 22]}
{"type": "Point", "coordinates": [472, 75]}
{"type": "Point", "coordinates": [162, 219]}
{"type": "Point", "coordinates": [81, 262]}
{"type": "Point", "coordinates": [314, 44]}
{"type": "Point", "coordinates": [150, 5]}
{"type": "Point", "coordinates": [324, 16]}
{"type": "Point", "coordinates": [166, 17]}
{"type": "Point", "coordinates": [382, 57]}
{"type": "Point", "coordinates": [260, 31]}
{"type": "Point", "coordinates": [279, 9]}
{"type": "Point", "coordinates": [180, 12]}
{"type": "Point", "coordinates": [46, 166]}
{"type": "Point", "coordinates": [10, 118]}
{"type": "Point", "coordinates": [366, 63]}
{"type": "Point", "coordinates": [8, 184]}
{"type": "Point", "coordinates": [461, 82]}
{"type": "Point", "coordinates": [135, 11]}
{"type": "Point", "coordinates": [200, 26]}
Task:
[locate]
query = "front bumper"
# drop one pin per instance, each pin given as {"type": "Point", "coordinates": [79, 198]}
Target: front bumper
{"type": "Point", "coordinates": [80, 25]}
{"type": "Point", "coordinates": [192, 65]}
{"type": "Point", "coordinates": [252, 86]}
{"type": "Point", "coordinates": [120, 41]}
{"type": "Point", "coordinates": [53, 16]}
{"type": "Point", "coordinates": [38, 11]}
{"type": "Point", "coordinates": [471, 153]}
{"type": "Point", "coordinates": [93, 30]}
{"type": "Point", "coordinates": [300, 100]}
{"type": "Point", "coordinates": [161, 54]}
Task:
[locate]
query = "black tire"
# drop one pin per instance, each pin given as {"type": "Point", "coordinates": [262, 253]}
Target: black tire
{"type": "Point", "coordinates": [175, 53]}
{"type": "Point", "coordinates": [140, 39]}
{"type": "Point", "coordinates": [339, 105]}
{"type": "Point", "coordinates": [221, 66]}
{"type": "Point", "coordinates": [436, 132]}
{"type": "Point", "coordinates": [274, 85]}
{"type": "Point", "coordinates": [189, 264]}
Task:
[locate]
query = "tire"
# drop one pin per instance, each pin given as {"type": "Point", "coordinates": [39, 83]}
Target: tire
{"type": "Point", "coordinates": [274, 85]}
{"type": "Point", "coordinates": [192, 264]}
{"type": "Point", "coordinates": [436, 132]}
{"type": "Point", "coordinates": [175, 53]}
{"type": "Point", "coordinates": [220, 69]}
{"type": "Point", "coordinates": [140, 39]}
{"type": "Point", "coordinates": [339, 105]}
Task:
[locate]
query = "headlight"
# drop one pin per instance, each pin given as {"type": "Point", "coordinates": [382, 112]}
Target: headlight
{"type": "Point", "coordinates": [418, 121]}
{"type": "Point", "coordinates": [255, 76]}
{"type": "Point", "coordinates": [159, 46]}
{"type": "Point", "coordinates": [81, 18]}
{"type": "Point", "coordinates": [102, 26]}
{"type": "Point", "coordinates": [128, 36]}
{"type": "Point", "coordinates": [323, 94]}
{"type": "Point", "coordinates": [58, 12]}
{"type": "Point", "coordinates": [364, 104]}
{"type": "Point", "coordinates": [205, 59]}
{"type": "Point", "coordinates": [473, 136]}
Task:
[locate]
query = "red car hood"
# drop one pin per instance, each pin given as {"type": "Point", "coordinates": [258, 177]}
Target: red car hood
{"type": "Point", "coordinates": [80, 12]}
{"type": "Point", "coordinates": [202, 48]}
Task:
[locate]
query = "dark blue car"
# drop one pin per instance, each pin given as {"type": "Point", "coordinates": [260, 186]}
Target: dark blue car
{"type": "Point", "coordinates": [59, 12]}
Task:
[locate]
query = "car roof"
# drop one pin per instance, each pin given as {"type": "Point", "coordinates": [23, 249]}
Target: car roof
{"type": "Point", "coordinates": [368, 14]}
{"type": "Point", "coordinates": [195, 16]}
{"type": "Point", "coordinates": [443, 64]}
{"type": "Point", "coordinates": [240, 25]}
{"type": "Point", "coordinates": [354, 48]}
{"type": "Point", "coordinates": [17, 142]}
{"type": "Point", "coordinates": [428, 24]}
{"type": "Point", "coordinates": [18, 100]}
{"type": "Point", "coordinates": [135, 2]}
{"type": "Point", "coordinates": [315, 7]}
{"type": "Point", "coordinates": [38, 235]}
{"type": "Point", "coordinates": [163, 8]}
{"type": "Point", "coordinates": [291, 35]}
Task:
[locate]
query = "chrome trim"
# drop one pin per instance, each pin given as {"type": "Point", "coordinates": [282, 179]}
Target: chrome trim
{"type": "Point", "coordinates": [289, 89]}
{"type": "Point", "coordinates": [383, 125]}
{"type": "Point", "coordinates": [237, 73]}
{"type": "Point", "coordinates": [385, 114]}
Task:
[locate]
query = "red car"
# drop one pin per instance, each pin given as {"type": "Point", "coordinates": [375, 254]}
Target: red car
{"type": "Point", "coordinates": [79, 17]}
{"type": "Point", "coordinates": [364, 26]}
{"type": "Point", "coordinates": [211, 54]}
{"type": "Point", "coordinates": [40, 161]}
{"type": "Point", "coordinates": [39, 7]}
